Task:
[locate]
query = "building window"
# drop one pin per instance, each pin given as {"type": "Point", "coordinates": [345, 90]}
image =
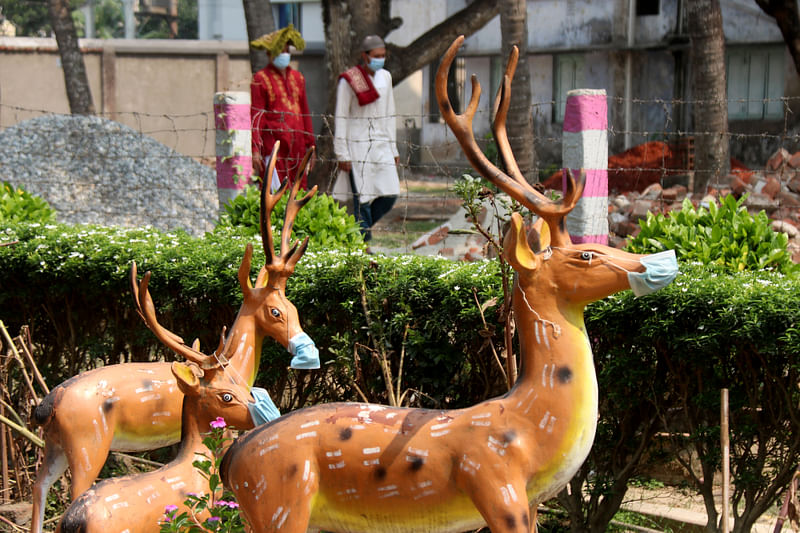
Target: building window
{"type": "Point", "coordinates": [286, 13]}
{"type": "Point", "coordinates": [455, 88]}
{"type": "Point", "coordinates": [568, 75]}
{"type": "Point", "coordinates": [647, 7]}
{"type": "Point", "coordinates": [755, 83]}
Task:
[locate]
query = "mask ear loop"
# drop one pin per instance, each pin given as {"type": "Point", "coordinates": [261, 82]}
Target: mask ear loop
{"type": "Point", "coordinates": [239, 379]}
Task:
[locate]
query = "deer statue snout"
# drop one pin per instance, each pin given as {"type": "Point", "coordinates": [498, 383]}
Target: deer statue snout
{"type": "Point", "coordinates": [660, 269]}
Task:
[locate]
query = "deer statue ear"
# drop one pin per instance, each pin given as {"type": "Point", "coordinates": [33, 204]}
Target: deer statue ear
{"type": "Point", "coordinates": [187, 376]}
{"type": "Point", "coordinates": [539, 236]}
{"type": "Point", "coordinates": [516, 248]}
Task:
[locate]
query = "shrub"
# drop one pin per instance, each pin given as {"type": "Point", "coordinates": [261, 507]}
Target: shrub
{"type": "Point", "coordinates": [18, 205]}
{"type": "Point", "coordinates": [726, 236]}
{"type": "Point", "coordinates": [322, 219]}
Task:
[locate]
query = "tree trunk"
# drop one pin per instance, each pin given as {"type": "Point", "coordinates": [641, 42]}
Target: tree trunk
{"type": "Point", "coordinates": [514, 28]}
{"type": "Point", "coordinates": [75, 80]}
{"type": "Point", "coordinates": [259, 20]}
{"type": "Point", "coordinates": [711, 145]}
{"type": "Point", "coordinates": [347, 22]}
{"type": "Point", "coordinates": [787, 17]}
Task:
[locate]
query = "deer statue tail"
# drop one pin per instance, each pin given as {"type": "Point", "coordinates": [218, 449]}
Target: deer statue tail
{"type": "Point", "coordinates": [43, 412]}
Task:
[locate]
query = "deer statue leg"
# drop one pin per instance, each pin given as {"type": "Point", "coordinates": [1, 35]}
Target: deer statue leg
{"type": "Point", "coordinates": [288, 508]}
{"type": "Point", "coordinates": [86, 457]}
{"type": "Point", "coordinates": [534, 513]}
{"type": "Point", "coordinates": [54, 464]}
{"type": "Point", "coordinates": [502, 502]}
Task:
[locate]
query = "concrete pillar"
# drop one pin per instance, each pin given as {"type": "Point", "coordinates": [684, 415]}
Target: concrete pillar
{"type": "Point", "coordinates": [233, 146]}
{"type": "Point", "coordinates": [585, 146]}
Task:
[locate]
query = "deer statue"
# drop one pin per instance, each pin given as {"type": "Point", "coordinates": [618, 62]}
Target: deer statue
{"type": "Point", "coordinates": [133, 406]}
{"type": "Point", "coordinates": [135, 503]}
{"type": "Point", "coordinates": [351, 467]}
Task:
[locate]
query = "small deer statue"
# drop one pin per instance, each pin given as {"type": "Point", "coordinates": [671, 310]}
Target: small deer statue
{"type": "Point", "coordinates": [350, 467]}
{"type": "Point", "coordinates": [135, 503]}
{"type": "Point", "coordinates": [133, 406]}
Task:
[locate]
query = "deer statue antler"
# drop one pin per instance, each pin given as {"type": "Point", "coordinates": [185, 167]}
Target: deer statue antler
{"type": "Point", "coordinates": [146, 309]}
{"type": "Point", "coordinates": [515, 185]}
{"type": "Point", "coordinates": [278, 268]}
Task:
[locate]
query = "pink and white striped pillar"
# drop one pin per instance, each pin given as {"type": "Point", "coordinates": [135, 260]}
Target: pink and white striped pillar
{"type": "Point", "coordinates": [585, 146]}
{"type": "Point", "coordinates": [233, 145]}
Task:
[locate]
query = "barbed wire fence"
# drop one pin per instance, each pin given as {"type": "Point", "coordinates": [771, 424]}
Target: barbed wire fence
{"type": "Point", "coordinates": [660, 138]}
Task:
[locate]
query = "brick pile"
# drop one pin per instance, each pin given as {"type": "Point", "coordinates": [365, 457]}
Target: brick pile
{"type": "Point", "coordinates": [647, 187]}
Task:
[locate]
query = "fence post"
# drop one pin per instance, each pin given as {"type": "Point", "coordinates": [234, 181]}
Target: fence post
{"type": "Point", "coordinates": [233, 147]}
{"type": "Point", "coordinates": [585, 146]}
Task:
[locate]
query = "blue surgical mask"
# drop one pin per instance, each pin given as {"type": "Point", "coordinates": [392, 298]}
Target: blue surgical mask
{"type": "Point", "coordinates": [263, 410]}
{"type": "Point", "coordinates": [376, 63]}
{"type": "Point", "coordinates": [660, 270]}
{"type": "Point", "coordinates": [281, 61]}
{"type": "Point", "coordinates": [306, 354]}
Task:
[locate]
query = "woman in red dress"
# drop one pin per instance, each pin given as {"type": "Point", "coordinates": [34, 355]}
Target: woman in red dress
{"type": "Point", "coordinates": [279, 107]}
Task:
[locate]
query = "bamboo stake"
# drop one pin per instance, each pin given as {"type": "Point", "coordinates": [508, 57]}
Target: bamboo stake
{"type": "Point", "coordinates": [25, 432]}
{"type": "Point", "coordinates": [4, 460]}
{"type": "Point", "coordinates": [19, 361]}
{"type": "Point", "coordinates": [726, 461]}
{"type": "Point", "coordinates": [27, 349]}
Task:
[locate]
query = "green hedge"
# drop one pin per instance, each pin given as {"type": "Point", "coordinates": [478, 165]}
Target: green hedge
{"type": "Point", "coordinates": [661, 359]}
{"type": "Point", "coordinates": [71, 285]}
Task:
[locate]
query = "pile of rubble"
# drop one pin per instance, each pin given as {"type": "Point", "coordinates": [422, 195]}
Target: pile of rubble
{"type": "Point", "coordinates": [774, 190]}
{"type": "Point", "coordinates": [647, 187]}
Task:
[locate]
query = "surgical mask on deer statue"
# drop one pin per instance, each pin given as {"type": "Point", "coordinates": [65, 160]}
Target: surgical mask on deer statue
{"type": "Point", "coordinates": [263, 410]}
{"type": "Point", "coordinates": [660, 270]}
{"type": "Point", "coordinates": [306, 354]}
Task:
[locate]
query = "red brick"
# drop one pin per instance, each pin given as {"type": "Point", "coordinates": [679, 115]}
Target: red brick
{"type": "Point", "coordinates": [788, 199]}
{"type": "Point", "coordinates": [772, 187]}
{"type": "Point", "coordinates": [447, 252]}
{"type": "Point", "coordinates": [738, 186]}
{"type": "Point", "coordinates": [794, 161]}
{"type": "Point", "coordinates": [793, 183]}
{"type": "Point", "coordinates": [778, 159]}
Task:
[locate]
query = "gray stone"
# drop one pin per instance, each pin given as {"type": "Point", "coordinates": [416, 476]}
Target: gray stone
{"type": "Point", "coordinates": [94, 170]}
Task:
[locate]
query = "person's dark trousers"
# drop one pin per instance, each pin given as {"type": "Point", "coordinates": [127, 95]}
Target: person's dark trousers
{"type": "Point", "coordinates": [373, 212]}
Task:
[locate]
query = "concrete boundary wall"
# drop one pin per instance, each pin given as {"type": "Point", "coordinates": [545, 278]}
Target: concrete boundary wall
{"type": "Point", "coordinates": [162, 88]}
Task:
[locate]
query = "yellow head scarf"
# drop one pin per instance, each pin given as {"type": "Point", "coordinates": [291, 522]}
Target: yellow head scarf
{"type": "Point", "coordinates": [275, 42]}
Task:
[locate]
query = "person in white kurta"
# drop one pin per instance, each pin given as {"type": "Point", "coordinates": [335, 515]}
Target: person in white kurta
{"type": "Point", "coordinates": [365, 139]}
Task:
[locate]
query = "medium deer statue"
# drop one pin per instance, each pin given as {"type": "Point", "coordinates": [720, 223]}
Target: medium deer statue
{"type": "Point", "coordinates": [133, 406]}
{"type": "Point", "coordinates": [350, 467]}
{"type": "Point", "coordinates": [135, 503]}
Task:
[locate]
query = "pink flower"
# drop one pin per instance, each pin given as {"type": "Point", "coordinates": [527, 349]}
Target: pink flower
{"type": "Point", "coordinates": [212, 519]}
{"type": "Point", "coordinates": [218, 423]}
{"type": "Point", "coordinates": [225, 503]}
{"type": "Point", "coordinates": [169, 512]}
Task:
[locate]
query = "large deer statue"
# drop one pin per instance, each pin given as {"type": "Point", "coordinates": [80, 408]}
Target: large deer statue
{"type": "Point", "coordinates": [135, 503]}
{"type": "Point", "coordinates": [349, 467]}
{"type": "Point", "coordinates": [133, 406]}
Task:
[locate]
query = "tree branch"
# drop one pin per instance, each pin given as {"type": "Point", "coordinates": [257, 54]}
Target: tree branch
{"type": "Point", "coordinates": [428, 47]}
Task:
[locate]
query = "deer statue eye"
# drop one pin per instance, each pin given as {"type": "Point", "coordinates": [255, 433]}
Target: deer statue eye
{"type": "Point", "coordinates": [586, 255]}
{"type": "Point", "coordinates": [275, 313]}
{"type": "Point", "coordinates": [227, 397]}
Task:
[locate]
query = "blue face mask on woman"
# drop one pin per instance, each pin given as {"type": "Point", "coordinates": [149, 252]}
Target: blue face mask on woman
{"type": "Point", "coordinates": [376, 63]}
{"type": "Point", "coordinates": [281, 61]}
{"type": "Point", "coordinates": [660, 270]}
